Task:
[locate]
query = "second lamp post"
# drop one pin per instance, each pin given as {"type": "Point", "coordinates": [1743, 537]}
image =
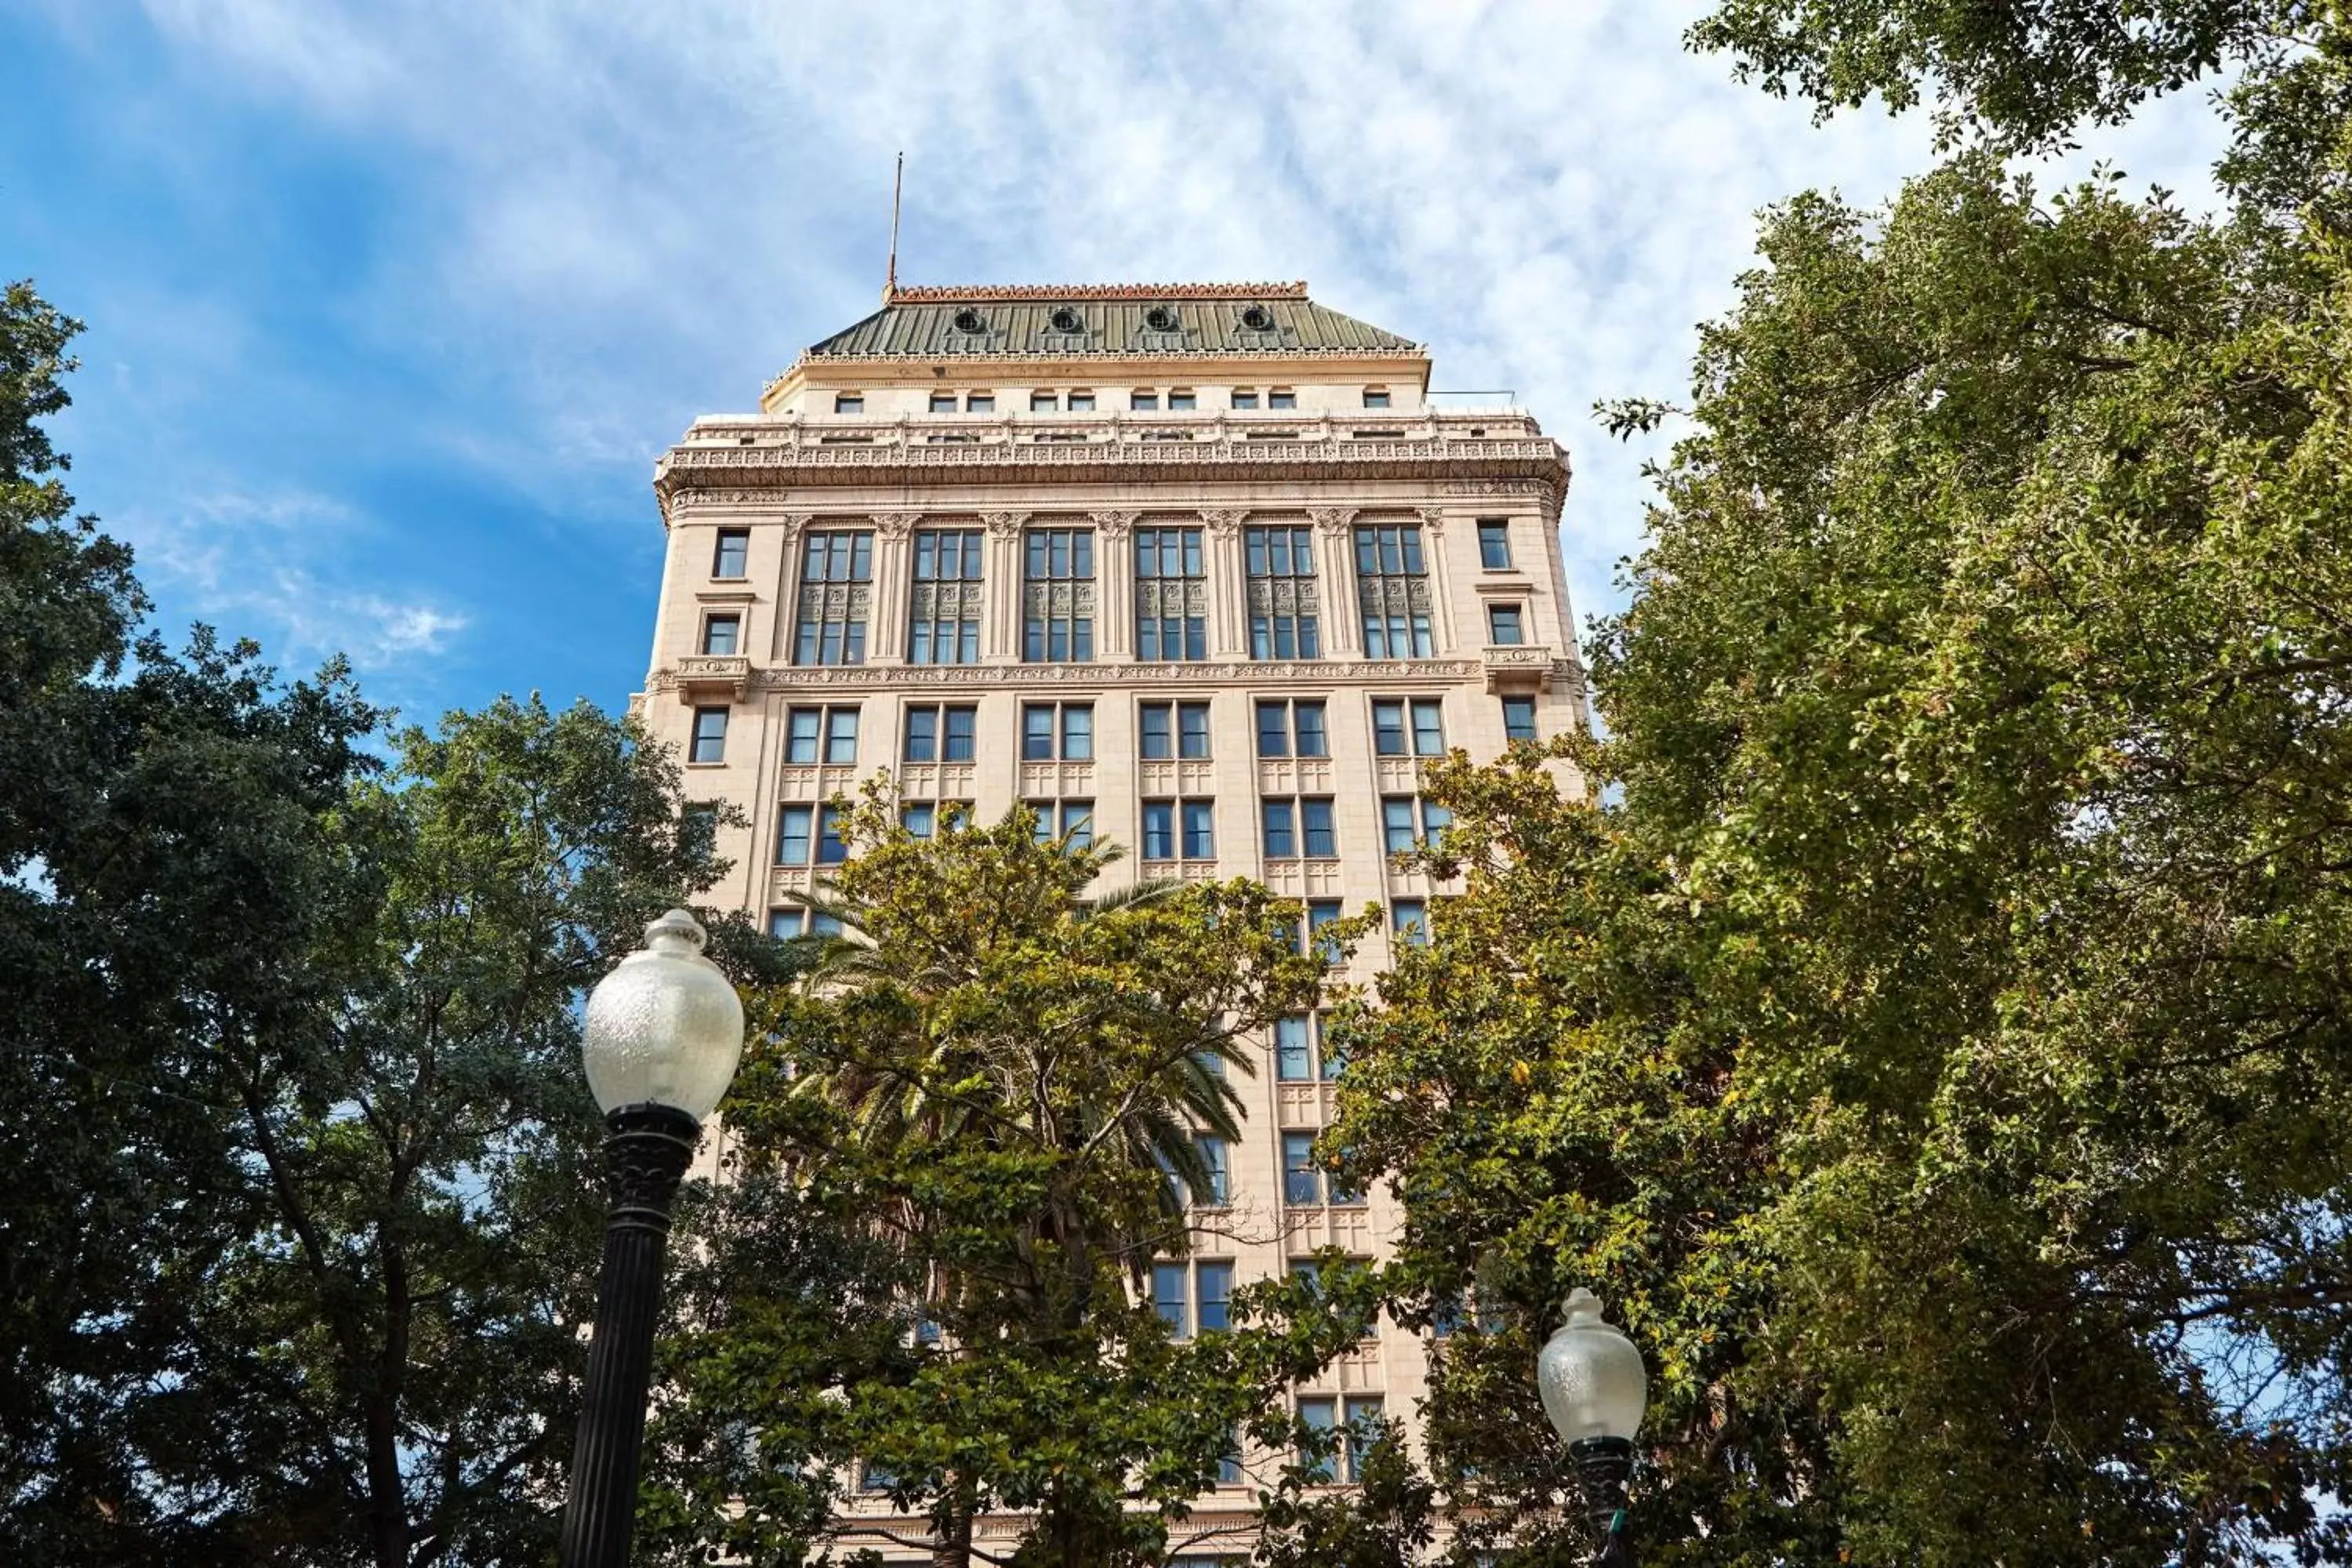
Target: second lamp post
{"type": "Point", "coordinates": [1594, 1390]}
{"type": "Point", "coordinates": [663, 1035]}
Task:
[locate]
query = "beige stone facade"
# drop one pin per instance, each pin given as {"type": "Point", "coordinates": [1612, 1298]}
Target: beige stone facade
{"type": "Point", "coordinates": [1203, 569]}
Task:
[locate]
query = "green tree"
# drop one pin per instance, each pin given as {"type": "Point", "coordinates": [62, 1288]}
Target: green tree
{"type": "Point", "coordinates": [298, 1225]}
{"type": "Point", "coordinates": [1938, 1050]}
{"type": "Point", "coordinates": [990, 1093]}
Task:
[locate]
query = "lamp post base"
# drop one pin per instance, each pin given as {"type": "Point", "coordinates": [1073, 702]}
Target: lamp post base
{"type": "Point", "coordinates": [1602, 1466]}
{"type": "Point", "coordinates": [645, 1156]}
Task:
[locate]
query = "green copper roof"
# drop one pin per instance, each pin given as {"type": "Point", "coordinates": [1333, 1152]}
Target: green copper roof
{"type": "Point", "coordinates": [1126, 318]}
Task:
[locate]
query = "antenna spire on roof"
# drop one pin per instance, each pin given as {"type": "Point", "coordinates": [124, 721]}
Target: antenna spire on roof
{"type": "Point", "coordinates": [890, 278]}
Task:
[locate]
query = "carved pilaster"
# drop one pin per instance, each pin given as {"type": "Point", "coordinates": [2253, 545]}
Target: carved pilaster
{"type": "Point", "coordinates": [1004, 524]}
{"type": "Point", "coordinates": [1432, 518]}
{"type": "Point", "coordinates": [1333, 521]}
{"type": "Point", "coordinates": [1225, 525]}
{"type": "Point", "coordinates": [894, 525]}
{"type": "Point", "coordinates": [1114, 526]}
{"type": "Point", "coordinates": [1114, 627]}
{"type": "Point", "coordinates": [1343, 632]}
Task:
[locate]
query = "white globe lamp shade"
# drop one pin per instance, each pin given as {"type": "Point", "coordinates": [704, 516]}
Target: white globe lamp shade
{"type": "Point", "coordinates": [1590, 1375]}
{"type": "Point", "coordinates": [664, 1028]}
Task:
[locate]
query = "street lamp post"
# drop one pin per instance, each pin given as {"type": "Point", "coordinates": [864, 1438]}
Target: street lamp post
{"type": "Point", "coordinates": [1594, 1390]}
{"type": "Point", "coordinates": [663, 1035]}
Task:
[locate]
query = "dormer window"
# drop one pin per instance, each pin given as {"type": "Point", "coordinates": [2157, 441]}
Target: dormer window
{"type": "Point", "coordinates": [1258, 318]}
{"type": "Point", "coordinates": [1161, 319]}
{"type": "Point", "coordinates": [1065, 319]}
{"type": "Point", "coordinates": [970, 320]}
{"type": "Point", "coordinates": [849, 402]}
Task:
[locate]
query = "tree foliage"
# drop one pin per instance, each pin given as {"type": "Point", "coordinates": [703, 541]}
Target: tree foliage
{"type": "Point", "coordinates": [299, 1228]}
{"type": "Point", "coordinates": [1939, 1051]}
{"type": "Point", "coordinates": [957, 1151]}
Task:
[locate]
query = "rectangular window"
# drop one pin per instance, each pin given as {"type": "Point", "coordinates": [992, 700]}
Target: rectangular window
{"type": "Point", "coordinates": [709, 736]}
{"type": "Point", "coordinates": [1180, 400]}
{"type": "Point", "coordinates": [1043, 403]}
{"type": "Point", "coordinates": [873, 1478]}
{"type": "Point", "coordinates": [1428, 727]}
{"type": "Point", "coordinates": [1057, 596]}
{"type": "Point", "coordinates": [823, 924]}
{"type": "Point", "coordinates": [919, 819]}
{"type": "Point", "coordinates": [1367, 1425]}
{"type": "Point", "coordinates": [1218, 1192]}
{"type": "Point", "coordinates": [841, 737]}
{"type": "Point", "coordinates": [1318, 1416]}
{"type": "Point", "coordinates": [1172, 596]}
{"type": "Point", "coordinates": [946, 599]}
{"type": "Point", "coordinates": [1292, 729]}
{"type": "Point", "coordinates": [836, 573]}
{"type": "Point", "coordinates": [943, 403]}
{"type": "Point", "coordinates": [1425, 737]}
{"type": "Point", "coordinates": [1503, 628]}
{"type": "Point", "coordinates": [1158, 740]}
{"type": "Point", "coordinates": [1082, 402]}
{"type": "Point", "coordinates": [1294, 1053]}
{"type": "Point", "coordinates": [1180, 829]}
{"type": "Point", "coordinates": [1396, 823]}
{"type": "Point", "coordinates": [1376, 397]}
{"type": "Point", "coordinates": [721, 633]}
{"type": "Point", "coordinates": [1244, 397]}
{"type": "Point", "coordinates": [1434, 820]}
{"type": "Point", "coordinates": [1321, 912]}
{"type": "Point", "coordinates": [980, 402]}
{"type": "Point", "coordinates": [1285, 609]}
{"type": "Point", "coordinates": [1036, 731]}
{"type": "Point", "coordinates": [1216, 1297]}
{"type": "Point", "coordinates": [1281, 818]}
{"type": "Point", "coordinates": [734, 555]}
{"type": "Point", "coordinates": [1168, 1296]}
{"type": "Point", "coordinates": [1282, 397]}
{"type": "Point", "coordinates": [1316, 836]}
{"type": "Point", "coordinates": [1192, 729]}
{"type": "Point", "coordinates": [1519, 719]}
{"type": "Point", "coordinates": [935, 735]}
{"type": "Point", "coordinates": [849, 402]}
{"type": "Point", "coordinates": [830, 849]}
{"type": "Point", "coordinates": [1494, 544]}
{"type": "Point", "coordinates": [1078, 823]}
{"type": "Point", "coordinates": [1409, 919]}
{"type": "Point", "coordinates": [1392, 591]}
{"type": "Point", "coordinates": [793, 828]}
{"type": "Point", "coordinates": [1302, 1178]}
{"type": "Point", "coordinates": [1274, 729]}
{"type": "Point", "coordinates": [1057, 732]}
{"type": "Point", "coordinates": [1143, 401]}
{"type": "Point", "coordinates": [922, 735]}
{"type": "Point", "coordinates": [785, 924]}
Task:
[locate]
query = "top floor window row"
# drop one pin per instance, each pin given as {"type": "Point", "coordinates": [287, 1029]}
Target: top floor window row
{"type": "Point", "coordinates": [1282, 592]}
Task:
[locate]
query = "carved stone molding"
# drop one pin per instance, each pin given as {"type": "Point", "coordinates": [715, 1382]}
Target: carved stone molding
{"type": "Point", "coordinates": [1004, 524]}
{"type": "Point", "coordinates": [896, 524]}
{"type": "Point", "coordinates": [1224, 524]}
{"type": "Point", "coordinates": [1432, 517]}
{"type": "Point", "coordinates": [1271, 673]}
{"type": "Point", "coordinates": [1114, 526]}
{"type": "Point", "coordinates": [1333, 521]}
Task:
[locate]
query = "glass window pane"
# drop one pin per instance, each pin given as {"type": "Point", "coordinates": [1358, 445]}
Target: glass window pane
{"type": "Point", "coordinates": [793, 835]}
{"type": "Point", "coordinates": [1217, 1194]}
{"type": "Point", "coordinates": [1316, 835]}
{"type": "Point", "coordinates": [1036, 731]}
{"type": "Point", "coordinates": [709, 735]}
{"type": "Point", "coordinates": [1409, 917]}
{"type": "Point", "coordinates": [1159, 830]}
{"type": "Point", "coordinates": [1156, 739]}
{"type": "Point", "coordinates": [1308, 717]}
{"type": "Point", "coordinates": [1428, 728]}
{"type": "Point", "coordinates": [1396, 823]}
{"type": "Point", "coordinates": [1193, 724]}
{"type": "Point", "coordinates": [1293, 1061]}
{"type": "Point", "coordinates": [1217, 1283]}
{"type": "Point", "coordinates": [1434, 820]}
{"type": "Point", "coordinates": [922, 734]}
{"type": "Point", "coordinates": [1168, 1297]}
{"type": "Point", "coordinates": [1520, 718]}
{"type": "Point", "coordinates": [1200, 831]}
{"type": "Point", "coordinates": [1302, 1180]}
{"type": "Point", "coordinates": [830, 849]}
{"type": "Point", "coordinates": [1077, 733]}
{"type": "Point", "coordinates": [1388, 728]}
{"type": "Point", "coordinates": [1281, 836]}
{"type": "Point", "coordinates": [1273, 729]}
{"type": "Point", "coordinates": [1494, 545]}
{"type": "Point", "coordinates": [919, 819]}
{"type": "Point", "coordinates": [962, 723]}
{"type": "Point", "coordinates": [1079, 823]}
{"type": "Point", "coordinates": [785, 924]}
{"type": "Point", "coordinates": [840, 736]}
{"type": "Point", "coordinates": [1503, 624]}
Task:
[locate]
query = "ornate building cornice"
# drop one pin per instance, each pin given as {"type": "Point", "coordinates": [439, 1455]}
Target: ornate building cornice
{"type": "Point", "coordinates": [1131, 673]}
{"type": "Point", "coordinates": [734, 476]}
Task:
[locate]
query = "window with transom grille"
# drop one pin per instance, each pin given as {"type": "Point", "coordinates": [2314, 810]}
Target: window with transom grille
{"type": "Point", "coordinates": [1057, 596]}
{"type": "Point", "coordinates": [836, 593]}
{"type": "Point", "coordinates": [943, 618]}
{"type": "Point", "coordinates": [1392, 587]}
{"type": "Point", "coordinates": [1172, 596]}
{"type": "Point", "coordinates": [1284, 611]}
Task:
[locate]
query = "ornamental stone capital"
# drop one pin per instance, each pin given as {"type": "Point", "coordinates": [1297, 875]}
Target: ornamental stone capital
{"type": "Point", "coordinates": [1432, 517]}
{"type": "Point", "coordinates": [1224, 524]}
{"type": "Point", "coordinates": [896, 524]}
{"type": "Point", "coordinates": [1332, 521]}
{"type": "Point", "coordinates": [1004, 524]}
{"type": "Point", "coordinates": [1114, 525]}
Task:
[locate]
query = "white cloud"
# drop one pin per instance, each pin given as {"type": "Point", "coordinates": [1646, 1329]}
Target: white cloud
{"type": "Point", "coordinates": [626, 214]}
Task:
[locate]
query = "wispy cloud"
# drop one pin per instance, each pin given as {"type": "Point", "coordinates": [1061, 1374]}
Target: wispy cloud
{"type": "Point", "coordinates": [583, 225]}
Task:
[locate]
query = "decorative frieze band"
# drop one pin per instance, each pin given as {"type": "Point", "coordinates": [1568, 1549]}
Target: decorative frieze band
{"type": "Point", "coordinates": [1271, 673]}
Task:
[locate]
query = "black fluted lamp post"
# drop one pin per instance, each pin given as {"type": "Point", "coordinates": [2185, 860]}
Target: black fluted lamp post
{"type": "Point", "coordinates": [1595, 1389]}
{"type": "Point", "coordinates": [663, 1035]}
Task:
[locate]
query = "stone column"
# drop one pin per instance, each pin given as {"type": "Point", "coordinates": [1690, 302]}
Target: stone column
{"type": "Point", "coordinates": [886, 639]}
{"type": "Point", "coordinates": [1342, 628]}
{"type": "Point", "coordinates": [1228, 625]}
{"type": "Point", "coordinates": [1114, 585]}
{"type": "Point", "coordinates": [999, 632]}
{"type": "Point", "coordinates": [788, 591]}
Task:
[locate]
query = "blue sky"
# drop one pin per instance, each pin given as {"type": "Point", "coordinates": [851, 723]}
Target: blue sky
{"type": "Point", "coordinates": [393, 307]}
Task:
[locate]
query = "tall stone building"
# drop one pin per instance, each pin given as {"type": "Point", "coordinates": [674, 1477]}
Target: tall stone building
{"type": "Point", "coordinates": [1202, 568]}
